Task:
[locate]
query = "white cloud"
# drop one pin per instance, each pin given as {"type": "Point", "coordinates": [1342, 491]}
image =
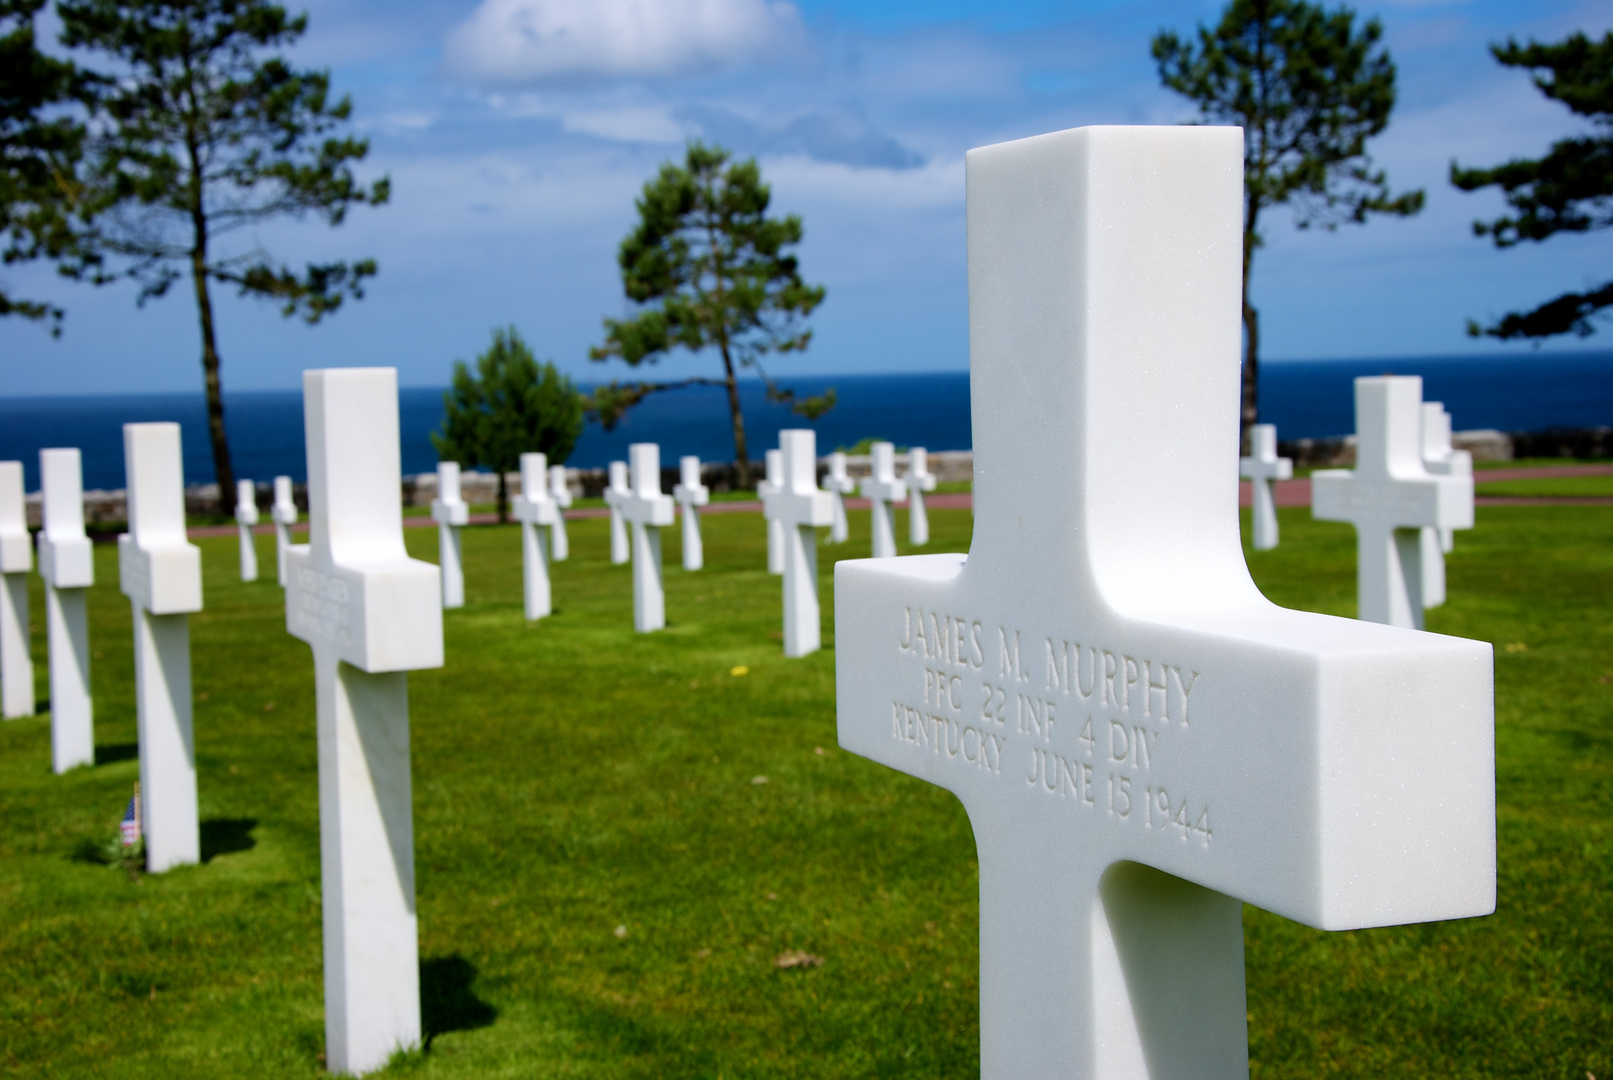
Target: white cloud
{"type": "Point", "coordinates": [564, 40]}
{"type": "Point", "coordinates": [647, 124]}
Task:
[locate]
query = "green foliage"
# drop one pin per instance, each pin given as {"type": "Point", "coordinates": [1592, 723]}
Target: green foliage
{"type": "Point", "coordinates": [1570, 190]}
{"type": "Point", "coordinates": [511, 405]}
{"type": "Point", "coordinates": [1309, 88]}
{"type": "Point", "coordinates": [866, 446]}
{"type": "Point", "coordinates": [621, 795]}
{"type": "Point", "coordinates": [197, 136]}
{"type": "Point", "coordinates": [710, 269]}
{"type": "Point", "coordinates": [40, 146]}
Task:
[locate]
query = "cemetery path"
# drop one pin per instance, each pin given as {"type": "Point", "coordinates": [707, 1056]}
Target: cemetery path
{"type": "Point", "coordinates": [1297, 492]}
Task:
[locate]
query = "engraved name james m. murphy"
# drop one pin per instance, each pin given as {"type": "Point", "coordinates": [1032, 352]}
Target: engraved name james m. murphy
{"type": "Point", "coordinates": [1141, 740]}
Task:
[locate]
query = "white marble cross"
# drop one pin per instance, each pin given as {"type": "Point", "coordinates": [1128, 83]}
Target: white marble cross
{"type": "Point", "coordinates": [882, 489]}
{"type": "Point", "coordinates": [919, 479]}
{"type": "Point", "coordinates": [284, 514]}
{"type": "Point", "coordinates": [800, 508]}
{"type": "Point", "coordinates": [67, 563]}
{"type": "Point", "coordinates": [775, 528]}
{"type": "Point", "coordinates": [535, 509]}
{"type": "Point", "coordinates": [615, 492]}
{"type": "Point", "coordinates": [160, 571]}
{"type": "Point", "coordinates": [1141, 740]}
{"type": "Point", "coordinates": [560, 492]}
{"type": "Point", "coordinates": [1390, 498]}
{"type": "Point", "coordinates": [1261, 467]}
{"type": "Point", "coordinates": [246, 516]}
{"type": "Point", "coordinates": [839, 485]}
{"type": "Point", "coordinates": [451, 514]}
{"type": "Point", "coordinates": [692, 494]}
{"type": "Point", "coordinates": [16, 560]}
{"type": "Point", "coordinates": [648, 511]}
{"type": "Point", "coordinates": [372, 614]}
{"type": "Point", "coordinates": [1440, 459]}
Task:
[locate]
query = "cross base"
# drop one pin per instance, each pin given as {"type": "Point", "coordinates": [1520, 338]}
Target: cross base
{"type": "Point", "coordinates": [72, 717]}
{"type": "Point", "coordinates": [366, 848]}
{"type": "Point", "coordinates": [167, 743]}
{"type": "Point", "coordinates": [16, 665]}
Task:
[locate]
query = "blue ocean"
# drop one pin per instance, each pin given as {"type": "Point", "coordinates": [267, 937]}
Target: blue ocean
{"type": "Point", "coordinates": [1528, 391]}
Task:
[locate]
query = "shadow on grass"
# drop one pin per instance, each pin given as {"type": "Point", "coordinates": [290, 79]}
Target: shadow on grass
{"type": "Point", "coordinates": [93, 852]}
{"type": "Point", "coordinates": [123, 751]}
{"type": "Point", "coordinates": [447, 1000]}
{"type": "Point", "coordinates": [225, 836]}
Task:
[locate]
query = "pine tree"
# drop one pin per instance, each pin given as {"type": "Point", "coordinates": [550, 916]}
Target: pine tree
{"type": "Point", "coordinates": [511, 405]}
{"type": "Point", "coordinates": [1309, 88]}
{"type": "Point", "coordinates": [200, 136]}
{"type": "Point", "coordinates": [710, 270]}
{"type": "Point", "coordinates": [1570, 190]}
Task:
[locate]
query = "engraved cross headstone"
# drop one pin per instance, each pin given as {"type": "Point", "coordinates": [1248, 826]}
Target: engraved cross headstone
{"type": "Point", "coordinates": [615, 492]}
{"type": "Point", "coordinates": [918, 480]}
{"type": "Point", "coordinates": [451, 514]}
{"type": "Point", "coordinates": [246, 516]}
{"type": "Point", "coordinates": [160, 571]}
{"type": "Point", "coordinates": [371, 614]}
{"type": "Point", "coordinates": [839, 485]}
{"type": "Point", "coordinates": [1141, 740]}
{"type": "Point", "coordinates": [882, 489]}
{"type": "Point", "coordinates": [67, 563]}
{"type": "Point", "coordinates": [775, 528]}
{"type": "Point", "coordinates": [535, 509]}
{"type": "Point", "coordinates": [1390, 498]}
{"type": "Point", "coordinates": [800, 508]}
{"type": "Point", "coordinates": [16, 560]}
{"type": "Point", "coordinates": [648, 511]}
{"type": "Point", "coordinates": [1260, 468]}
{"type": "Point", "coordinates": [284, 513]}
{"type": "Point", "coordinates": [692, 494]}
{"type": "Point", "coordinates": [1440, 459]}
{"type": "Point", "coordinates": [560, 492]}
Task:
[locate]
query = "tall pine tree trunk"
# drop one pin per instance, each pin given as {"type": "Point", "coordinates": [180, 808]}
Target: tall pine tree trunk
{"type": "Point", "coordinates": [738, 417]}
{"type": "Point", "coordinates": [215, 394]}
{"type": "Point", "coordinates": [1249, 413]}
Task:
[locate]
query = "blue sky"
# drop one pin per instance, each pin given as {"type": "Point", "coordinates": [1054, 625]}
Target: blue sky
{"type": "Point", "coordinates": [514, 168]}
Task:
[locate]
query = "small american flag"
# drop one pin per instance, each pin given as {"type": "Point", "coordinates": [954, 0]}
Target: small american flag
{"type": "Point", "coordinates": [129, 828]}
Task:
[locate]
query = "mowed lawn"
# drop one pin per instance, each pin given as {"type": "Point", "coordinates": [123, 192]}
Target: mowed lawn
{"type": "Point", "coordinates": [617, 835]}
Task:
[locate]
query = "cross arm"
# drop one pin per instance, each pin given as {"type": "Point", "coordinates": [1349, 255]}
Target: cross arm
{"type": "Point", "coordinates": [539, 511]}
{"type": "Point", "coordinates": [382, 616]}
{"type": "Point", "coordinates": [692, 496]}
{"type": "Point", "coordinates": [1444, 502]}
{"type": "Point", "coordinates": [164, 578]}
{"type": "Point", "coordinates": [1276, 469]}
{"type": "Point", "coordinates": [1335, 772]}
{"type": "Point", "coordinates": [874, 487]}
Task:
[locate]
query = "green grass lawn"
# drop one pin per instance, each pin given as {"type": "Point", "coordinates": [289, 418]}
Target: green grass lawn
{"type": "Point", "coordinates": [1558, 486]}
{"type": "Point", "coordinates": [571, 777]}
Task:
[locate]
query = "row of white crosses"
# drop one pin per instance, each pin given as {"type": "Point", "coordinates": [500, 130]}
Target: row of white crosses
{"type": "Point", "coordinates": [1396, 503]}
{"type": "Point", "coordinates": [1142, 740]}
{"type": "Point", "coordinates": [283, 513]}
{"type": "Point", "coordinates": [884, 491]}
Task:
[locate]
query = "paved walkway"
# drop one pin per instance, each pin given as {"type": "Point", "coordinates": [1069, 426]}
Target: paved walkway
{"type": "Point", "coordinates": [1288, 493]}
{"type": "Point", "coordinates": [1298, 492]}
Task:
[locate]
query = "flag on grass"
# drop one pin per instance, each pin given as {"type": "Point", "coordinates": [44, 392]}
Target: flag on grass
{"type": "Point", "coordinates": [129, 828]}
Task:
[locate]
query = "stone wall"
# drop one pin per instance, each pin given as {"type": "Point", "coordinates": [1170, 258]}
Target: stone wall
{"type": "Point", "coordinates": [1485, 444]}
